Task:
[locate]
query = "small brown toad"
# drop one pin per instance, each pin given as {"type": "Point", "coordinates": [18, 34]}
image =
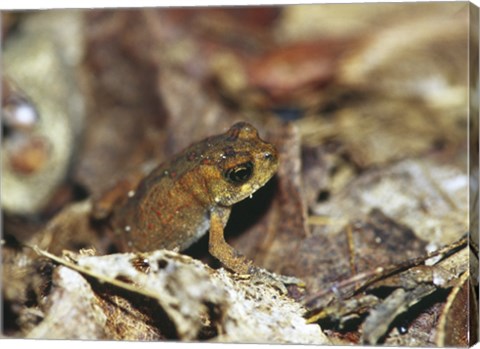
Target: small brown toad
{"type": "Point", "coordinates": [179, 201]}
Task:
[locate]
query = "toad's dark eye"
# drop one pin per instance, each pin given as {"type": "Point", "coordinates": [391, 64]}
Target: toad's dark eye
{"type": "Point", "coordinates": [239, 174]}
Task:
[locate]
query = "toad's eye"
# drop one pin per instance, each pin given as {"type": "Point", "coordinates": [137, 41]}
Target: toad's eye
{"type": "Point", "coordinates": [239, 174]}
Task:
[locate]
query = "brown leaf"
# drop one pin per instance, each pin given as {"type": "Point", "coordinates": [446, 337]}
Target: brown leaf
{"type": "Point", "coordinates": [375, 241]}
{"type": "Point", "coordinates": [286, 70]}
{"type": "Point", "coordinates": [459, 317]}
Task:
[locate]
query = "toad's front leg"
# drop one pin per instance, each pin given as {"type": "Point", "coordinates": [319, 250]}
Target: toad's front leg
{"type": "Point", "coordinates": [232, 260]}
{"type": "Point", "coordinates": [218, 247]}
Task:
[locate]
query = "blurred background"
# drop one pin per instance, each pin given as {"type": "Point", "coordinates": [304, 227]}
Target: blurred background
{"type": "Point", "coordinates": [87, 93]}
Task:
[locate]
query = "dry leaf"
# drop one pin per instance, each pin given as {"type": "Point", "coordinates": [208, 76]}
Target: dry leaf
{"type": "Point", "coordinates": [193, 297]}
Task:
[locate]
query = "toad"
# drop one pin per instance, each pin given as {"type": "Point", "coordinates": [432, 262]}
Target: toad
{"type": "Point", "coordinates": [180, 200]}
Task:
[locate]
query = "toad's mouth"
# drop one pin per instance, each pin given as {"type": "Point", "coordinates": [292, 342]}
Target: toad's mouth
{"type": "Point", "coordinates": [245, 191]}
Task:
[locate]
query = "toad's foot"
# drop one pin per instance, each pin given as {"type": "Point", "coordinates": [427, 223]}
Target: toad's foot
{"type": "Point", "coordinates": [263, 276]}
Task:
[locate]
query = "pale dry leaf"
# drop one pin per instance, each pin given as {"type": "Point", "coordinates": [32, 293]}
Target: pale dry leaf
{"type": "Point", "coordinates": [190, 293]}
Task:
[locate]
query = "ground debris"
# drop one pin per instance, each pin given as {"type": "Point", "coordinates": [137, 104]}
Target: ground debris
{"type": "Point", "coordinates": [192, 302]}
{"type": "Point", "coordinates": [71, 310]}
{"type": "Point", "coordinates": [382, 316]}
{"type": "Point", "coordinates": [405, 285]}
